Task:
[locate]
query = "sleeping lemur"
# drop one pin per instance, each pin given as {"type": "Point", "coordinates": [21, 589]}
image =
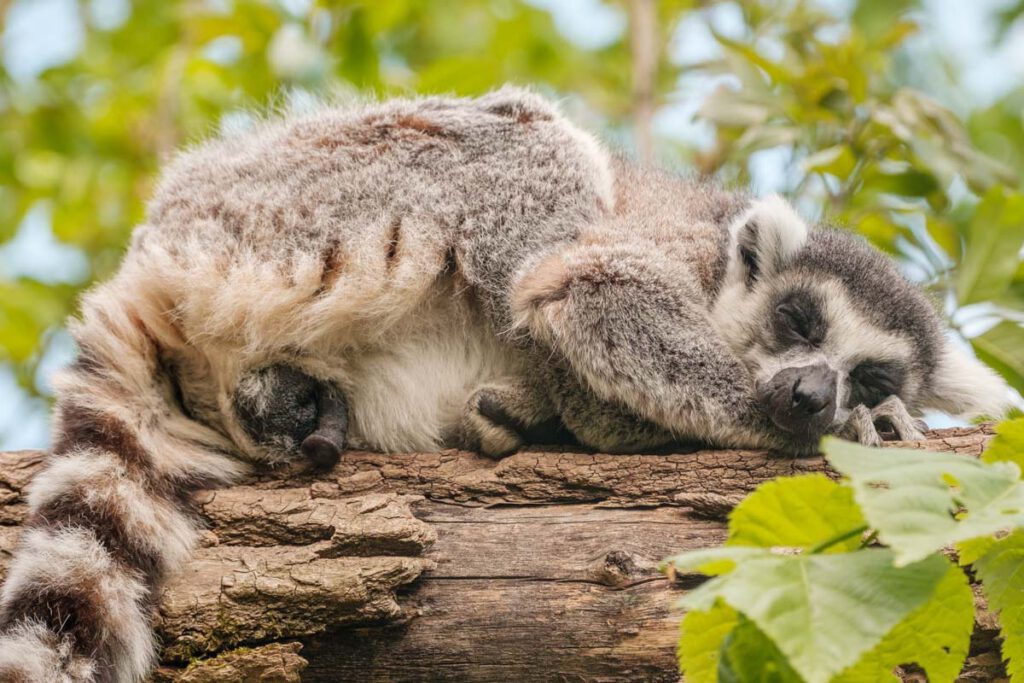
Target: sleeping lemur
{"type": "Point", "coordinates": [420, 274]}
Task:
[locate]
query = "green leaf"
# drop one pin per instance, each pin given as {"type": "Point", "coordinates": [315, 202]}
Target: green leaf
{"type": "Point", "coordinates": [995, 235]}
{"type": "Point", "coordinates": [700, 641]}
{"type": "Point", "coordinates": [749, 656]}
{"type": "Point", "coordinates": [873, 17]}
{"type": "Point", "coordinates": [1008, 444]}
{"type": "Point", "coordinates": [822, 611]}
{"type": "Point", "coordinates": [936, 637]}
{"type": "Point", "coordinates": [920, 502]}
{"type": "Point", "coordinates": [712, 561]}
{"type": "Point", "coordinates": [838, 161]}
{"type": "Point", "coordinates": [1001, 571]}
{"type": "Point", "coordinates": [1002, 347]}
{"type": "Point", "coordinates": [799, 512]}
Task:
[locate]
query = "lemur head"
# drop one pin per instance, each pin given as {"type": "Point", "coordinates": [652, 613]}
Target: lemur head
{"type": "Point", "coordinates": [824, 322]}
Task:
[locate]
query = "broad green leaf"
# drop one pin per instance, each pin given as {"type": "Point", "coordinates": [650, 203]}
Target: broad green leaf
{"type": "Point", "coordinates": [968, 552]}
{"type": "Point", "coordinates": [712, 561]}
{"type": "Point", "coordinates": [1008, 444]}
{"type": "Point", "coordinates": [700, 642]}
{"type": "Point", "coordinates": [822, 611]}
{"type": "Point", "coordinates": [1001, 571]}
{"type": "Point", "coordinates": [1002, 347]}
{"type": "Point", "coordinates": [995, 235]}
{"type": "Point", "coordinates": [799, 512]}
{"type": "Point", "coordinates": [749, 656]}
{"type": "Point", "coordinates": [920, 502]}
{"type": "Point", "coordinates": [936, 636]}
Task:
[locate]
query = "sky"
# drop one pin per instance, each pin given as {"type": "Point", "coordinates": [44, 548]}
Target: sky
{"type": "Point", "coordinates": [39, 34]}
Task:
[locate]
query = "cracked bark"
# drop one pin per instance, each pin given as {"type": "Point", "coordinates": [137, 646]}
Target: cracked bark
{"type": "Point", "coordinates": [452, 567]}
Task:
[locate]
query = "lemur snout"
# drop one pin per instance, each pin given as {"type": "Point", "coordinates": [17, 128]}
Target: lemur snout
{"type": "Point", "coordinates": [285, 410]}
{"type": "Point", "coordinates": [323, 447]}
{"type": "Point", "coordinates": [803, 400]}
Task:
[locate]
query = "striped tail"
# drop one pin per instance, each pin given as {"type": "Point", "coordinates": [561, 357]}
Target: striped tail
{"type": "Point", "coordinates": [110, 514]}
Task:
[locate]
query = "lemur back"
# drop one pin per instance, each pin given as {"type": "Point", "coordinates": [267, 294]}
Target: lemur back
{"type": "Point", "coordinates": [405, 274]}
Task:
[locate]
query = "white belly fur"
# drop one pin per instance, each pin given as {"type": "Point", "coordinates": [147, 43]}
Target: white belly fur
{"type": "Point", "coordinates": [406, 392]}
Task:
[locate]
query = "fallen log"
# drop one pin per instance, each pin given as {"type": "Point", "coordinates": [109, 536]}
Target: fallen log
{"type": "Point", "coordinates": [452, 567]}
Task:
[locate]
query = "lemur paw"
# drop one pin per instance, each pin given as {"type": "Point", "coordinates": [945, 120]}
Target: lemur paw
{"type": "Point", "coordinates": [501, 418]}
{"type": "Point", "coordinates": [859, 427]}
{"type": "Point", "coordinates": [893, 418]}
{"type": "Point", "coordinates": [889, 420]}
{"type": "Point", "coordinates": [285, 411]}
{"type": "Point", "coordinates": [491, 428]}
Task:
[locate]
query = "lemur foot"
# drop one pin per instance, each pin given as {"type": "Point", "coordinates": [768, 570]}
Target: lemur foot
{"type": "Point", "coordinates": [285, 411]}
{"type": "Point", "coordinates": [889, 420]}
{"type": "Point", "coordinates": [894, 419]}
{"type": "Point", "coordinates": [500, 419]}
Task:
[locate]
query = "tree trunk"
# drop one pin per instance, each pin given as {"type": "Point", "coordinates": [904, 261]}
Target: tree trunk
{"type": "Point", "coordinates": [451, 567]}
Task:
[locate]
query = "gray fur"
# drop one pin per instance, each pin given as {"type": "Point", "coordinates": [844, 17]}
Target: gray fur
{"type": "Point", "coordinates": [426, 273]}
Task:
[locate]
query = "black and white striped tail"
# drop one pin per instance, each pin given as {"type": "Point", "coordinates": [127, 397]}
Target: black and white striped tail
{"type": "Point", "coordinates": [110, 515]}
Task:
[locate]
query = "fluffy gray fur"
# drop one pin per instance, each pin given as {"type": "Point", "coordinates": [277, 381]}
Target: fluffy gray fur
{"type": "Point", "coordinates": [421, 273]}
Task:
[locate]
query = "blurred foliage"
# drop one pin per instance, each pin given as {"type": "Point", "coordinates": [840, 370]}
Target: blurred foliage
{"type": "Point", "coordinates": [863, 149]}
{"type": "Point", "coordinates": [871, 153]}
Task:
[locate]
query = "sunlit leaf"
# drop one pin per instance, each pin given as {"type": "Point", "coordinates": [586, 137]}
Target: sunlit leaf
{"type": "Point", "coordinates": [920, 502]}
{"type": "Point", "coordinates": [936, 637]}
{"type": "Point", "coordinates": [1002, 347]}
{"type": "Point", "coordinates": [822, 611]}
{"type": "Point", "coordinates": [799, 512]}
{"type": "Point", "coordinates": [748, 656]}
{"type": "Point", "coordinates": [994, 240]}
{"type": "Point", "coordinates": [1008, 444]}
{"type": "Point", "coordinates": [700, 642]}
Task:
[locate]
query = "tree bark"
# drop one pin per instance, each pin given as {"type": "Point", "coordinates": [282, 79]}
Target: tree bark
{"type": "Point", "coordinates": [452, 567]}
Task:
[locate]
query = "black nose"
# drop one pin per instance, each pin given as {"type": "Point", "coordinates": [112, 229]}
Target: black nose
{"type": "Point", "coordinates": [802, 400]}
{"type": "Point", "coordinates": [811, 395]}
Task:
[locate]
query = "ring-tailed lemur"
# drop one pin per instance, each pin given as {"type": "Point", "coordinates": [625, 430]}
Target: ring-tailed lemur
{"type": "Point", "coordinates": [425, 273]}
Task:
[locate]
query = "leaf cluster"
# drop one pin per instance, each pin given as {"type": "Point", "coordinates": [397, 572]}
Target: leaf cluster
{"type": "Point", "coordinates": [845, 581]}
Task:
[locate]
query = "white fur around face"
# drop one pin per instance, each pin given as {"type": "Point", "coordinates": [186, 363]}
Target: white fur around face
{"type": "Point", "coordinates": [740, 318]}
{"type": "Point", "coordinates": [779, 231]}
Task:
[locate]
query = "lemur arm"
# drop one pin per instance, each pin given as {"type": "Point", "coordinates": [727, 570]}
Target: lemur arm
{"type": "Point", "coordinates": [630, 324]}
{"type": "Point", "coordinates": [553, 407]}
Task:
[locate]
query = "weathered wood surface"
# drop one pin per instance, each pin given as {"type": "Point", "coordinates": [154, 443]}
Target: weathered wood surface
{"type": "Point", "coordinates": [451, 567]}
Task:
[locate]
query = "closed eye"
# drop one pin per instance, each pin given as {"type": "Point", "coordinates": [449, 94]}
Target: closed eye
{"type": "Point", "coordinates": [797, 324]}
{"type": "Point", "coordinates": [871, 382]}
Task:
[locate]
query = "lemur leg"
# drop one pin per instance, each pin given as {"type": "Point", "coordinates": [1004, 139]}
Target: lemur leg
{"type": "Point", "coordinates": [604, 426]}
{"type": "Point", "coordinates": [283, 409]}
{"type": "Point", "coordinates": [499, 418]}
{"type": "Point", "coordinates": [633, 327]}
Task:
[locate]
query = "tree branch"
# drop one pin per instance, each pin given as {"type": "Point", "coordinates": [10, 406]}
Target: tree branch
{"type": "Point", "coordinates": [451, 566]}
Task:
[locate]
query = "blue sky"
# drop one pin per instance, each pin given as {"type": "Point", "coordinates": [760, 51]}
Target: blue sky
{"type": "Point", "coordinates": [39, 34]}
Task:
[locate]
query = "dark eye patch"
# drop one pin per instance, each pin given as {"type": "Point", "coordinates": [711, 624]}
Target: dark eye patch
{"type": "Point", "coordinates": [872, 381]}
{"type": "Point", "coordinates": [798, 319]}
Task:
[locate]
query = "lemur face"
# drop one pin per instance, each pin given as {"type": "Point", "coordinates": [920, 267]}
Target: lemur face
{"type": "Point", "coordinates": [825, 323]}
{"type": "Point", "coordinates": [285, 411]}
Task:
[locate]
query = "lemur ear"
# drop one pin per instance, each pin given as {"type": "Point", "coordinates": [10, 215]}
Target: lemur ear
{"type": "Point", "coordinates": [769, 234]}
{"type": "Point", "coordinates": [963, 385]}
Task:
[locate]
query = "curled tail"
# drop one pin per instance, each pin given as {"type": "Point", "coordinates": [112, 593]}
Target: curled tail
{"type": "Point", "coordinates": [110, 514]}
